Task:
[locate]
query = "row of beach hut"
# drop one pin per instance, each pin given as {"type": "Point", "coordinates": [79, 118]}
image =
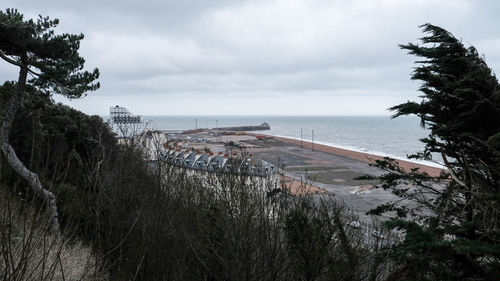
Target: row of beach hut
{"type": "Point", "coordinates": [220, 162]}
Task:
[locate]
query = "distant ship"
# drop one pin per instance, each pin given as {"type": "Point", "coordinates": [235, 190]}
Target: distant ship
{"type": "Point", "coordinates": [124, 123]}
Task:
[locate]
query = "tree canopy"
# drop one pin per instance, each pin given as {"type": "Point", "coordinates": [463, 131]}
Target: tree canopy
{"type": "Point", "coordinates": [55, 65]}
{"type": "Point", "coordinates": [461, 96]}
{"type": "Point", "coordinates": [451, 223]}
{"type": "Point", "coordinates": [52, 59]}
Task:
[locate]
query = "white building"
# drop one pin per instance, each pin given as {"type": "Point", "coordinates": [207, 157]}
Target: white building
{"type": "Point", "coordinates": [124, 123]}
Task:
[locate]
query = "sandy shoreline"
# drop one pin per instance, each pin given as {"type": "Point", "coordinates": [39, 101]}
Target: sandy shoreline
{"type": "Point", "coordinates": [360, 156]}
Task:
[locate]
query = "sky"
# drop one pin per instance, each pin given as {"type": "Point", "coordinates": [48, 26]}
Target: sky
{"type": "Point", "coordinates": [261, 57]}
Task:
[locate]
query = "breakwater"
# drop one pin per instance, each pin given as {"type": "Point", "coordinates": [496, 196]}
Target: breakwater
{"type": "Point", "coordinates": [262, 127]}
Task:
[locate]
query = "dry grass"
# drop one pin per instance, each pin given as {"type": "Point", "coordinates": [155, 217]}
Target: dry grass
{"type": "Point", "coordinates": [29, 253]}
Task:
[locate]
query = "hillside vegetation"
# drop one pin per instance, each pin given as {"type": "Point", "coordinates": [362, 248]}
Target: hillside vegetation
{"type": "Point", "coordinates": [161, 224]}
{"type": "Point", "coordinates": [76, 205]}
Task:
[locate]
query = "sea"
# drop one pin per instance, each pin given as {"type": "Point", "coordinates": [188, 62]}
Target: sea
{"type": "Point", "coordinates": [380, 135]}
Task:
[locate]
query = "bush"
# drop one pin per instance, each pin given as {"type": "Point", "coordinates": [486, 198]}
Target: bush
{"type": "Point", "coordinates": [29, 253]}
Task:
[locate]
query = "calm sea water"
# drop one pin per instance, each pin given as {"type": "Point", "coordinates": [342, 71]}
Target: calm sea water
{"type": "Point", "coordinates": [378, 135]}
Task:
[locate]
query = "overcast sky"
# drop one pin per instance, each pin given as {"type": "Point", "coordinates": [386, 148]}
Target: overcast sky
{"type": "Point", "coordinates": [263, 57]}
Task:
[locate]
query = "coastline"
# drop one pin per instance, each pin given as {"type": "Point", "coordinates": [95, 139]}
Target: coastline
{"type": "Point", "coordinates": [356, 155]}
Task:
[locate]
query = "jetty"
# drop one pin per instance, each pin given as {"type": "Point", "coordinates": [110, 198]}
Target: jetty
{"type": "Point", "coordinates": [261, 127]}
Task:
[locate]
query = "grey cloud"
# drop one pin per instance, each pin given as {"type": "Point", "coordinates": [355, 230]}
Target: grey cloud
{"type": "Point", "coordinates": [242, 51]}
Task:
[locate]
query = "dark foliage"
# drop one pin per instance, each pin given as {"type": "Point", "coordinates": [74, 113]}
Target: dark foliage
{"type": "Point", "coordinates": [451, 222]}
{"type": "Point", "coordinates": [61, 144]}
{"type": "Point", "coordinates": [56, 67]}
{"type": "Point", "coordinates": [165, 224]}
{"type": "Point", "coordinates": [56, 64]}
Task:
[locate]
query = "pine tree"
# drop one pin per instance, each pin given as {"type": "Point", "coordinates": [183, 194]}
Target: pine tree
{"type": "Point", "coordinates": [56, 67]}
{"type": "Point", "coordinates": [451, 223]}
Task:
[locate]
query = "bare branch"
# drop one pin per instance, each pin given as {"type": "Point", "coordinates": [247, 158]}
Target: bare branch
{"type": "Point", "coordinates": [452, 173]}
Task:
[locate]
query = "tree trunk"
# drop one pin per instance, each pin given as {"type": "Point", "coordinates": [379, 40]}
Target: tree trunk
{"type": "Point", "coordinates": [16, 164]}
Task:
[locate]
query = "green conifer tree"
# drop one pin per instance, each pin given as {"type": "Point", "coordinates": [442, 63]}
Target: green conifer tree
{"type": "Point", "coordinates": [55, 65]}
{"type": "Point", "coordinates": [451, 223]}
